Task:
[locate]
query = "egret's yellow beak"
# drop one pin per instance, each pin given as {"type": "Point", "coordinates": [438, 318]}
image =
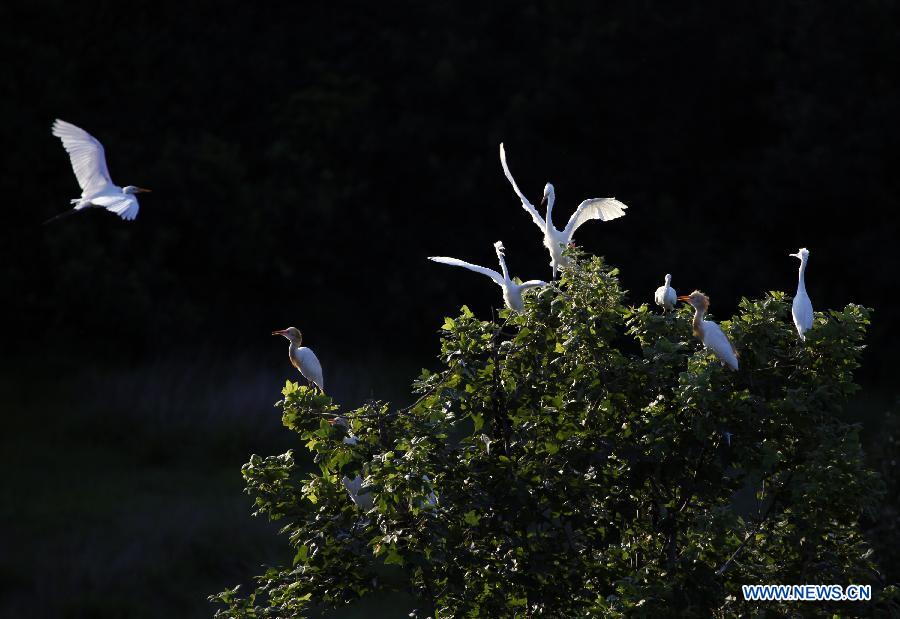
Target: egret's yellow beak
{"type": "Point", "coordinates": [142, 190]}
{"type": "Point", "coordinates": [685, 297]}
{"type": "Point", "coordinates": [282, 332]}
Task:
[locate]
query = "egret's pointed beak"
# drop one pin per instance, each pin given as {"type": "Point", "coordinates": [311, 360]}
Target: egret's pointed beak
{"type": "Point", "coordinates": [282, 332]}
{"type": "Point", "coordinates": [142, 190]}
{"type": "Point", "coordinates": [684, 297]}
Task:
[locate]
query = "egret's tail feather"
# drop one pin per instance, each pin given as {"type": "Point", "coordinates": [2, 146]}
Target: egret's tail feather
{"type": "Point", "coordinates": [60, 216]}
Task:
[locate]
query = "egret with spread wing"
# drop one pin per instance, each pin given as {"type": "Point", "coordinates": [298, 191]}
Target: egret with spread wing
{"type": "Point", "coordinates": [802, 309]}
{"type": "Point", "coordinates": [555, 240]}
{"type": "Point", "coordinates": [709, 332]}
{"type": "Point", "coordinates": [512, 292]}
{"type": "Point", "coordinates": [89, 163]}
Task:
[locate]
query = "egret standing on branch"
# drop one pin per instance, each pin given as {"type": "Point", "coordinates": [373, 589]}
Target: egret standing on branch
{"type": "Point", "coordinates": [709, 332]}
{"type": "Point", "coordinates": [555, 240]}
{"type": "Point", "coordinates": [302, 357]}
{"type": "Point", "coordinates": [512, 292]}
{"type": "Point", "coordinates": [665, 295]}
{"type": "Point", "coordinates": [89, 163]}
{"type": "Point", "coordinates": [802, 308]}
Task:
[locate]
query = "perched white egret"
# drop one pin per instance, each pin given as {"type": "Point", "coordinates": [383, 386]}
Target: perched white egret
{"type": "Point", "coordinates": [302, 357]}
{"type": "Point", "coordinates": [89, 163]}
{"type": "Point", "coordinates": [802, 308]}
{"type": "Point", "coordinates": [555, 240]}
{"type": "Point", "coordinates": [709, 332]}
{"type": "Point", "coordinates": [512, 292]}
{"type": "Point", "coordinates": [363, 501]}
{"type": "Point", "coordinates": [665, 295]}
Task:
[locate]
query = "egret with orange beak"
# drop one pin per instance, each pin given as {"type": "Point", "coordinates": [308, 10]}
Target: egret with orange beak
{"type": "Point", "coordinates": [302, 357]}
{"type": "Point", "coordinates": [555, 240]}
{"type": "Point", "coordinates": [709, 332]}
{"type": "Point", "coordinates": [89, 163]}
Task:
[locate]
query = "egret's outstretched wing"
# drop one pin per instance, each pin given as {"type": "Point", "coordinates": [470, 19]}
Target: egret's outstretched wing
{"type": "Point", "coordinates": [532, 283]}
{"type": "Point", "coordinates": [603, 209]}
{"type": "Point", "coordinates": [123, 205]}
{"type": "Point", "coordinates": [87, 157]}
{"type": "Point", "coordinates": [498, 279]}
{"type": "Point", "coordinates": [528, 206]}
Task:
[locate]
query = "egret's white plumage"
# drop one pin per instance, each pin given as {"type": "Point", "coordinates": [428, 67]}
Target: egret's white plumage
{"type": "Point", "coordinates": [512, 292]}
{"type": "Point", "coordinates": [303, 358]}
{"type": "Point", "coordinates": [802, 309]}
{"type": "Point", "coordinates": [665, 295]}
{"type": "Point", "coordinates": [555, 240]}
{"type": "Point", "coordinates": [89, 164]}
{"type": "Point", "coordinates": [709, 332]}
{"type": "Point", "coordinates": [363, 501]}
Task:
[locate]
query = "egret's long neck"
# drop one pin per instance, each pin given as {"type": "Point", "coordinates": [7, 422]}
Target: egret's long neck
{"type": "Point", "coordinates": [699, 313]}
{"type": "Point", "coordinates": [548, 220]}
{"type": "Point", "coordinates": [503, 265]}
{"type": "Point", "coordinates": [801, 283]}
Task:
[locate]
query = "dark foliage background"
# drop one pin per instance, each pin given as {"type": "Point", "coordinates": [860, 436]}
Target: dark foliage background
{"type": "Point", "coordinates": [305, 159]}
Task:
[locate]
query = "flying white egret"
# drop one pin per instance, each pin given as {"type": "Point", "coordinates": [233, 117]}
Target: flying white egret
{"type": "Point", "coordinates": [89, 163]}
{"type": "Point", "coordinates": [665, 295]}
{"type": "Point", "coordinates": [363, 501]}
{"type": "Point", "coordinates": [512, 292]}
{"type": "Point", "coordinates": [709, 332]}
{"type": "Point", "coordinates": [302, 357]}
{"type": "Point", "coordinates": [555, 240]}
{"type": "Point", "coordinates": [802, 308]}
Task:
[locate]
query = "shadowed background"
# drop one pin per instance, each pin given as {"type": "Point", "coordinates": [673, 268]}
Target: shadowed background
{"type": "Point", "coordinates": [305, 160]}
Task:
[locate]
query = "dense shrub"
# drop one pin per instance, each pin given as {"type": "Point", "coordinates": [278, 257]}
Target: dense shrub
{"type": "Point", "coordinates": [583, 457]}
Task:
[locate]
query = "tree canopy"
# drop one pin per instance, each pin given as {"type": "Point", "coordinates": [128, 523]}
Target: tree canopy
{"type": "Point", "coordinates": [582, 457]}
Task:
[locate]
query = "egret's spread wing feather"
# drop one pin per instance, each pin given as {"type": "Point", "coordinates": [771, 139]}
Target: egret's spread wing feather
{"type": "Point", "coordinates": [123, 205]}
{"type": "Point", "coordinates": [532, 283]}
{"type": "Point", "coordinates": [528, 206]}
{"type": "Point", "coordinates": [498, 279]}
{"type": "Point", "coordinates": [87, 156]}
{"type": "Point", "coordinates": [603, 209]}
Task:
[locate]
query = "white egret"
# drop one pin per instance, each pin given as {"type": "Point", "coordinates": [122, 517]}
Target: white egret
{"type": "Point", "coordinates": [512, 292]}
{"type": "Point", "coordinates": [665, 295]}
{"type": "Point", "coordinates": [555, 240]}
{"type": "Point", "coordinates": [802, 308]}
{"type": "Point", "coordinates": [363, 501]}
{"type": "Point", "coordinates": [302, 357]}
{"type": "Point", "coordinates": [89, 163]}
{"type": "Point", "coordinates": [709, 332]}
